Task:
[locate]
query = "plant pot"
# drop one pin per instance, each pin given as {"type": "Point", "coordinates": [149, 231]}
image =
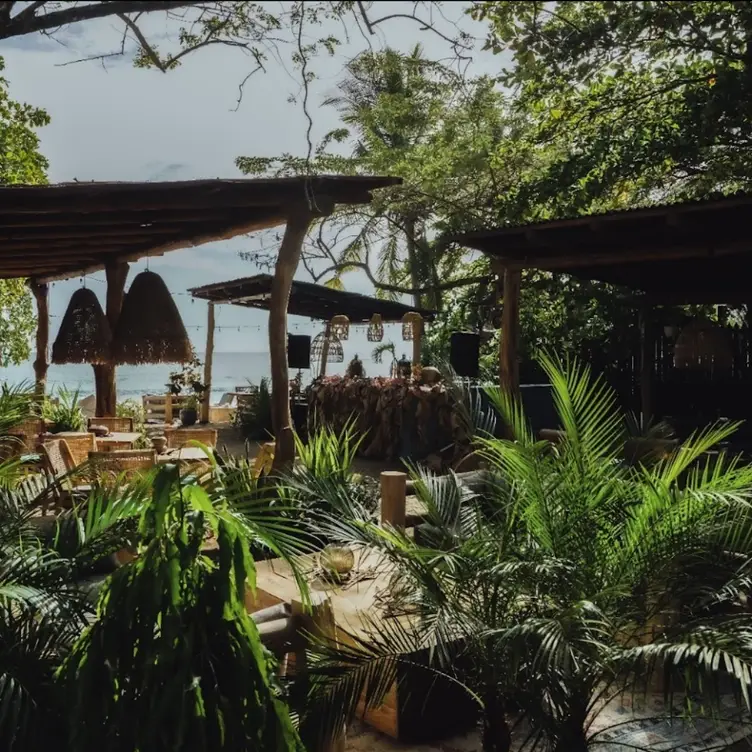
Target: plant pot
{"type": "Point", "coordinates": [188, 416]}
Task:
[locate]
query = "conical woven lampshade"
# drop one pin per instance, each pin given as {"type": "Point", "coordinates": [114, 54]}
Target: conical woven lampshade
{"type": "Point", "coordinates": [84, 335]}
{"type": "Point", "coordinates": [335, 353]}
{"type": "Point", "coordinates": [150, 329]}
{"type": "Point", "coordinates": [704, 346]}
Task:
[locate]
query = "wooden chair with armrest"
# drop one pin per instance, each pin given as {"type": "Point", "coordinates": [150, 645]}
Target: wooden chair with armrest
{"type": "Point", "coordinates": [59, 463]}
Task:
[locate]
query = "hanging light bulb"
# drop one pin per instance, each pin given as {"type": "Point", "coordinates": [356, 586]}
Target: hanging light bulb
{"type": "Point", "coordinates": [375, 328]}
{"type": "Point", "coordinates": [340, 327]}
{"type": "Point", "coordinates": [412, 324]}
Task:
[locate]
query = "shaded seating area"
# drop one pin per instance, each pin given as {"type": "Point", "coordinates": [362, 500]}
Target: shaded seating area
{"type": "Point", "coordinates": [337, 310]}
{"type": "Point", "coordinates": [686, 370]}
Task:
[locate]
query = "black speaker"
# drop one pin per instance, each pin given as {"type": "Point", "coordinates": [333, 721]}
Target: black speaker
{"type": "Point", "coordinates": [464, 351]}
{"type": "Point", "coordinates": [298, 351]}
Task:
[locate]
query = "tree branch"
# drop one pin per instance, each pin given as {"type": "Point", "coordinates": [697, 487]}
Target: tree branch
{"type": "Point", "coordinates": [424, 25]}
{"type": "Point", "coordinates": [451, 285]}
{"type": "Point", "coordinates": [145, 46]}
{"type": "Point", "coordinates": [28, 22]}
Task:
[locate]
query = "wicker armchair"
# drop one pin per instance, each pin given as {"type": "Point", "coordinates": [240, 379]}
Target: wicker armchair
{"type": "Point", "coordinates": [126, 462]}
{"type": "Point", "coordinates": [80, 444]}
{"type": "Point", "coordinates": [57, 456]}
{"type": "Point", "coordinates": [179, 437]}
{"type": "Point", "coordinates": [58, 463]}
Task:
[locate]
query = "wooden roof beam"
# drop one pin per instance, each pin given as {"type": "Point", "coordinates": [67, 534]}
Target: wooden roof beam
{"type": "Point", "coordinates": [174, 245]}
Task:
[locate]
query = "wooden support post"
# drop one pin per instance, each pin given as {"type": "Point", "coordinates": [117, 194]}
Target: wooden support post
{"type": "Point", "coordinates": [41, 294]}
{"type": "Point", "coordinates": [104, 374]}
{"type": "Point", "coordinates": [325, 349]}
{"type": "Point", "coordinates": [509, 370]}
{"type": "Point", "coordinates": [208, 358]}
{"type": "Point", "coordinates": [316, 620]}
{"type": "Point", "coordinates": [298, 222]}
{"type": "Point", "coordinates": [417, 341]}
{"type": "Point", "coordinates": [647, 357]}
{"type": "Point", "coordinates": [393, 498]}
{"type": "Point", "coordinates": [168, 409]}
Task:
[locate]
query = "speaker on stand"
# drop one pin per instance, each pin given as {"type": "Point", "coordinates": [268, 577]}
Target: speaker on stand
{"type": "Point", "coordinates": [464, 353]}
{"type": "Point", "coordinates": [298, 351]}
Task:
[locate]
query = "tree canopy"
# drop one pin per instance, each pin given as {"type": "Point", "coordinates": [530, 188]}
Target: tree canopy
{"type": "Point", "coordinates": [20, 162]}
{"type": "Point", "coordinates": [648, 100]}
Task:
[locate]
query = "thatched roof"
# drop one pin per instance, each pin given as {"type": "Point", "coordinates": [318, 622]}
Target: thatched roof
{"type": "Point", "coordinates": [689, 252]}
{"type": "Point", "coordinates": [56, 231]}
{"type": "Point", "coordinates": [306, 299]}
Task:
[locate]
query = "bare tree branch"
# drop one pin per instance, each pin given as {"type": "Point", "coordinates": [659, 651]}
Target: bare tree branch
{"type": "Point", "coordinates": [145, 46]}
{"type": "Point", "coordinates": [424, 25]}
{"type": "Point", "coordinates": [28, 21]}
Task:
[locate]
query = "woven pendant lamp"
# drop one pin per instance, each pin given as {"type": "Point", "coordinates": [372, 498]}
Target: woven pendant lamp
{"type": "Point", "coordinates": [150, 329]}
{"type": "Point", "coordinates": [375, 328]}
{"type": "Point", "coordinates": [412, 322]}
{"type": "Point", "coordinates": [340, 327]}
{"type": "Point", "coordinates": [84, 335]}
{"type": "Point", "coordinates": [701, 345]}
{"type": "Point", "coordinates": [335, 353]}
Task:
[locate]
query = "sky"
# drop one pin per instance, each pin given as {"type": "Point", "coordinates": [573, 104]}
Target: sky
{"type": "Point", "coordinates": [111, 121]}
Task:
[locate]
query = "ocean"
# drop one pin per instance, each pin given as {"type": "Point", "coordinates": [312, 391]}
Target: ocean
{"type": "Point", "coordinates": [230, 369]}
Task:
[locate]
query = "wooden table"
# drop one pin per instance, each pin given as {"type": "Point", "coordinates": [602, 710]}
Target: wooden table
{"type": "Point", "coordinates": [117, 438]}
{"type": "Point", "coordinates": [184, 454]}
{"type": "Point", "coordinates": [418, 707]}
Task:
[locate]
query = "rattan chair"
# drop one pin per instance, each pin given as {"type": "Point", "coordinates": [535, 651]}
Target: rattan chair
{"type": "Point", "coordinates": [180, 437]}
{"type": "Point", "coordinates": [58, 459]}
{"type": "Point", "coordinates": [58, 463]}
{"type": "Point", "coordinates": [115, 425]}
{"type": "Point", "coordinates": [124, 462]}
{"type": "Point", "coordinates": [80, 445]}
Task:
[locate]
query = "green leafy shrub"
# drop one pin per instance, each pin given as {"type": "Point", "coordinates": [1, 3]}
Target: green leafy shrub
{"type": "Point", "coordinates": [174, 661]}
{"type": "Point", "coordinates": [65, 413]}
{"type": "Point", "coordinates": [253, 417]}
{"type": "Point", "coordinates": [131, 408]}
{"type": "Point", "coordinates": [571, 576]}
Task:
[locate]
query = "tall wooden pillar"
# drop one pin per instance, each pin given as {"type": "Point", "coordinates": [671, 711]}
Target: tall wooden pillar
{"type": "Point", "coordinates": [509, 369]}
{"type": "Point", "coordinates": [298, 222]}
{"type": "Point", "coordinates": [325, 349]}
{"type": "Point", "coordinates": [647, 358]}
{"type": "Point", "coordinates": [208, 359]}
{"type": "Point", "coordinates": [41, 294]}
{"type": "Point", "coordinates": [417, 341]}
{"type": "Point", "coordinates": [104, 374]}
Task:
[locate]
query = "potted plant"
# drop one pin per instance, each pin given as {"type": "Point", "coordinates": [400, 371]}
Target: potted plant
{"type": "Point", "coordinates": [189, 411]}
{"type": "Point", "coordinates": [187, 381]}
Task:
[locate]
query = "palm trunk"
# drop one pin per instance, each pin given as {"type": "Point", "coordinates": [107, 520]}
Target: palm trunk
{"type": "Point", "coordinates": [412, 259]}
{"type": "Point", "coordinates": [496, 734]}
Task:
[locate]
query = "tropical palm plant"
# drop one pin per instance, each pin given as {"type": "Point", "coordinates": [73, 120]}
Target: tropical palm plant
{"type": "Point", "coordinates": [572, 578]}
{"type": "Point", "coordinates": [173, 660]}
